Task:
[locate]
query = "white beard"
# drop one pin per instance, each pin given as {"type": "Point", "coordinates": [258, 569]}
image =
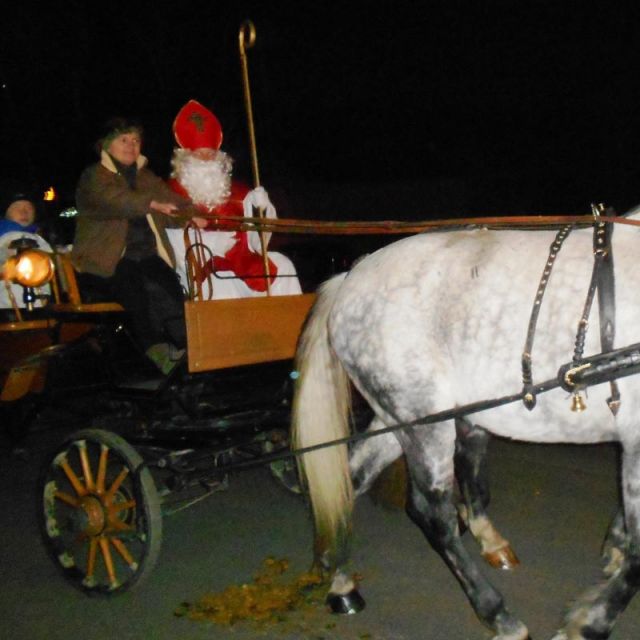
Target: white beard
{"type": "Point", "coordinates": [207, 181]}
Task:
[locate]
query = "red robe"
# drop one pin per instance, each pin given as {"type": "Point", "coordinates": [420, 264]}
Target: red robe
{"type": "Point", "coordinates": [240, 259]}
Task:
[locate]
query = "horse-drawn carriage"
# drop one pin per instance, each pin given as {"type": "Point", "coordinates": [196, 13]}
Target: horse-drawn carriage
{"type": "Point", "coordinates": [155, 442]}
{"type": "Point", "coordinates": [152, 442]}
{"type": "Point", "coordinates": [414, 341]}
{"type": "Point", "coordinates": [426, 330]}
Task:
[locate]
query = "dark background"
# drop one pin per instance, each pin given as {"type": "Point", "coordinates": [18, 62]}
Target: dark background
{"type": "Point", "coordinates": [389, 110]}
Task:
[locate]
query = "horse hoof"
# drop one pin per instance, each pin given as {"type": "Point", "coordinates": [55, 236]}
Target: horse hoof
{"type": "Point", "coordinates": [347, 603]}
{"type": "Point", "coordinates": [504, 559]}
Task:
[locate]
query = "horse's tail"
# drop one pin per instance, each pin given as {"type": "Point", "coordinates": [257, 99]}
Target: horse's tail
{"type": "Point", "coordinates": [321, 410]}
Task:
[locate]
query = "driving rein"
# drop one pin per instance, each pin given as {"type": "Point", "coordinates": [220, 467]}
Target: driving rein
{"type": "Point", "coordinates": [573, 377]}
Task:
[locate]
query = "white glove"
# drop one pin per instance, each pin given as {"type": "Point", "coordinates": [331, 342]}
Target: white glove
{"type": "Point", "coordinates": [258, 198]}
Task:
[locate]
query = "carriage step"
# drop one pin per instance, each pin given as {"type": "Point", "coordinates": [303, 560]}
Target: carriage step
{"type": "Point", "coordinates": [146, 383]}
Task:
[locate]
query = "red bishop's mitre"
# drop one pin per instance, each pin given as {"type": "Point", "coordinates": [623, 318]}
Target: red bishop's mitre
{"type": "Point", "coordinates": [195, 127]}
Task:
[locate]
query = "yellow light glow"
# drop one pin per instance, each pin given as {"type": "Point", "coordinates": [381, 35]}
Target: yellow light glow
{"type": "Point", "coordinates": [50, 194]}
{"type": "Point", "coordinates": [24, 270]}
{"type": "Point", "coordinates": [32, 268]}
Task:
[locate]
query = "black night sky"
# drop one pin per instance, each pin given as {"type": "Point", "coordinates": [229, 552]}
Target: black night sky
{"type": "Point", "coordinates": [388, 110]}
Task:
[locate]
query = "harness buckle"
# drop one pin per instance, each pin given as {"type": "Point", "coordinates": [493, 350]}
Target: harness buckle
{"type": "Point", "coordinates": [597, 210]}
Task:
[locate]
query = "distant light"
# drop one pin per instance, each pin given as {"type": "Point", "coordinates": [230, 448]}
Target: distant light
{"type": "Point", "coordinates": [50, 194]}
{"type": "Point", "coordinates": [71, 212]}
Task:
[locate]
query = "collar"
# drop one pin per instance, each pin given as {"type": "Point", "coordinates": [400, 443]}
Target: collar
{"type": "Point", "coordinates": [107, 162]}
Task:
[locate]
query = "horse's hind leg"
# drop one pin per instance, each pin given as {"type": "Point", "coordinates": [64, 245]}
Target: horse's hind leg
{"type": "Point", "coordinates": [430, 453]}
{"type": "Point", "coordinates": [595, 613]}
{"type": "Point", "coordinates": [343, 595]}
{"type": "Point", "coordinates": [371, 456]}
{"type": "Point", "coordinates": [368, 458]}
{"type": "Point", "coordinates": [613, 549]}
{"type": "Point", "coordinates": [473, 483]}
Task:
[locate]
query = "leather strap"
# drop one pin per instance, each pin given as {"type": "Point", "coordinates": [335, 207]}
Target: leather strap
{"type": "Point", "coordinates": [602, 282]}
{"type": "Point", "coordinates": [529, 397]}
{"type": "Point", "coordinates": [607, 294]}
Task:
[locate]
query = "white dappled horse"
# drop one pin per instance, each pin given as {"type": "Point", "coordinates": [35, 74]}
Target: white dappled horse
{"type": "Point", "coordinates": [437, 321]}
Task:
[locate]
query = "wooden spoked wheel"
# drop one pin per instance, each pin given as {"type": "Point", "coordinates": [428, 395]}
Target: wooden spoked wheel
{"type": "Point", "coordinates": [100, 513]}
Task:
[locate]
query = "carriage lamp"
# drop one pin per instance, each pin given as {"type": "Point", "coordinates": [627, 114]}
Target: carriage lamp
{"type": "Point", "coordinates": [30, 267]}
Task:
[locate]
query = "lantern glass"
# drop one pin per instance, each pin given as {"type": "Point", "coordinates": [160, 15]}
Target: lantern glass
{"type": "Point", "coordinates": [30, 268]}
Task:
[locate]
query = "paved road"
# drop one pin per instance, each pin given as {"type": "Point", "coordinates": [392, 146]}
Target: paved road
{"type": "Point", "coordinates": [552, 502]}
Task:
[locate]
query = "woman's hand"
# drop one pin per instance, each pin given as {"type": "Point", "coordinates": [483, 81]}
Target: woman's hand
{"type": "Point", "coordinates": [201, 223]}
{"type": "Point", "coordinates": [168, 208]}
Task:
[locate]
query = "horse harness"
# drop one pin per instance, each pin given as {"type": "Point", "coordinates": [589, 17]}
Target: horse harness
{"type": "Point", "coordinates": [602, 282]}
{"type": "Point", "coordinates": [575, 376]}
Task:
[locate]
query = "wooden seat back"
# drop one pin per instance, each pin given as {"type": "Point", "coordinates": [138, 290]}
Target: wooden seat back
{"type": "Point", "coordinates": [66, 293]}
{"type": "Point", "coordinates": [196, 256]}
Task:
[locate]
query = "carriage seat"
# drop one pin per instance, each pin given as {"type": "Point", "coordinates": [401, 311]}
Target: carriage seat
{"type": "Point", "coordinates": [67, 298]}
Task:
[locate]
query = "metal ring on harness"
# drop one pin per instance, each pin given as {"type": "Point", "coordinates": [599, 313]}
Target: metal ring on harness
{"type": "Point", "coordinates": [569, 375]}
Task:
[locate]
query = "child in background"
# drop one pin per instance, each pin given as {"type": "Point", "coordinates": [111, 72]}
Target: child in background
{"type": "Point", "coordinates": [18, 222]}
{"type": "Point", "coordinates": [19, 215]}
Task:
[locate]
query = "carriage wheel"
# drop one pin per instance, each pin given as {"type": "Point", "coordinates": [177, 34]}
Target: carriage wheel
{"type": "Point", "coordinates": [100, 513]}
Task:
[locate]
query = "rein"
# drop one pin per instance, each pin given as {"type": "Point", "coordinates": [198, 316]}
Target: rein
{"type": "Point", "coordinates": [580, 373]}
{"type": "Point", "coordinates": [593, 370]}
{"type": "Point", "coordinates": [323, 227]}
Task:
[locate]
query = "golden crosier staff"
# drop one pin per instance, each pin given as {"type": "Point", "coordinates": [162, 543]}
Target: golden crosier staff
{"type": "Point", "coordinates": [246, 40]}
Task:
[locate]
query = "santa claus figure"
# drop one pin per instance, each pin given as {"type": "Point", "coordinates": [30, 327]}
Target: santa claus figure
{"type": "Point", "coordinates": [235, 264]}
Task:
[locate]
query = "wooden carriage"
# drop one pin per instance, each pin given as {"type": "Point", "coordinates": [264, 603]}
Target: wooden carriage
{"type": "Point", "coordinates": [56, 352]}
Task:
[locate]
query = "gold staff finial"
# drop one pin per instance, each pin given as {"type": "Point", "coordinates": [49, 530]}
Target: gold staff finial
{"type": "Point", "coordinates": [246, 40]}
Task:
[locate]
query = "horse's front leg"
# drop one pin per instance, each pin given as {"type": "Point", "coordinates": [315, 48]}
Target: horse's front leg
{"type": "Point", "coordinates": [596, 612]}
{"type": "Point", "coordinates": [473, 482]}
{"type": "Point", "coordinates": [430, 461]}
